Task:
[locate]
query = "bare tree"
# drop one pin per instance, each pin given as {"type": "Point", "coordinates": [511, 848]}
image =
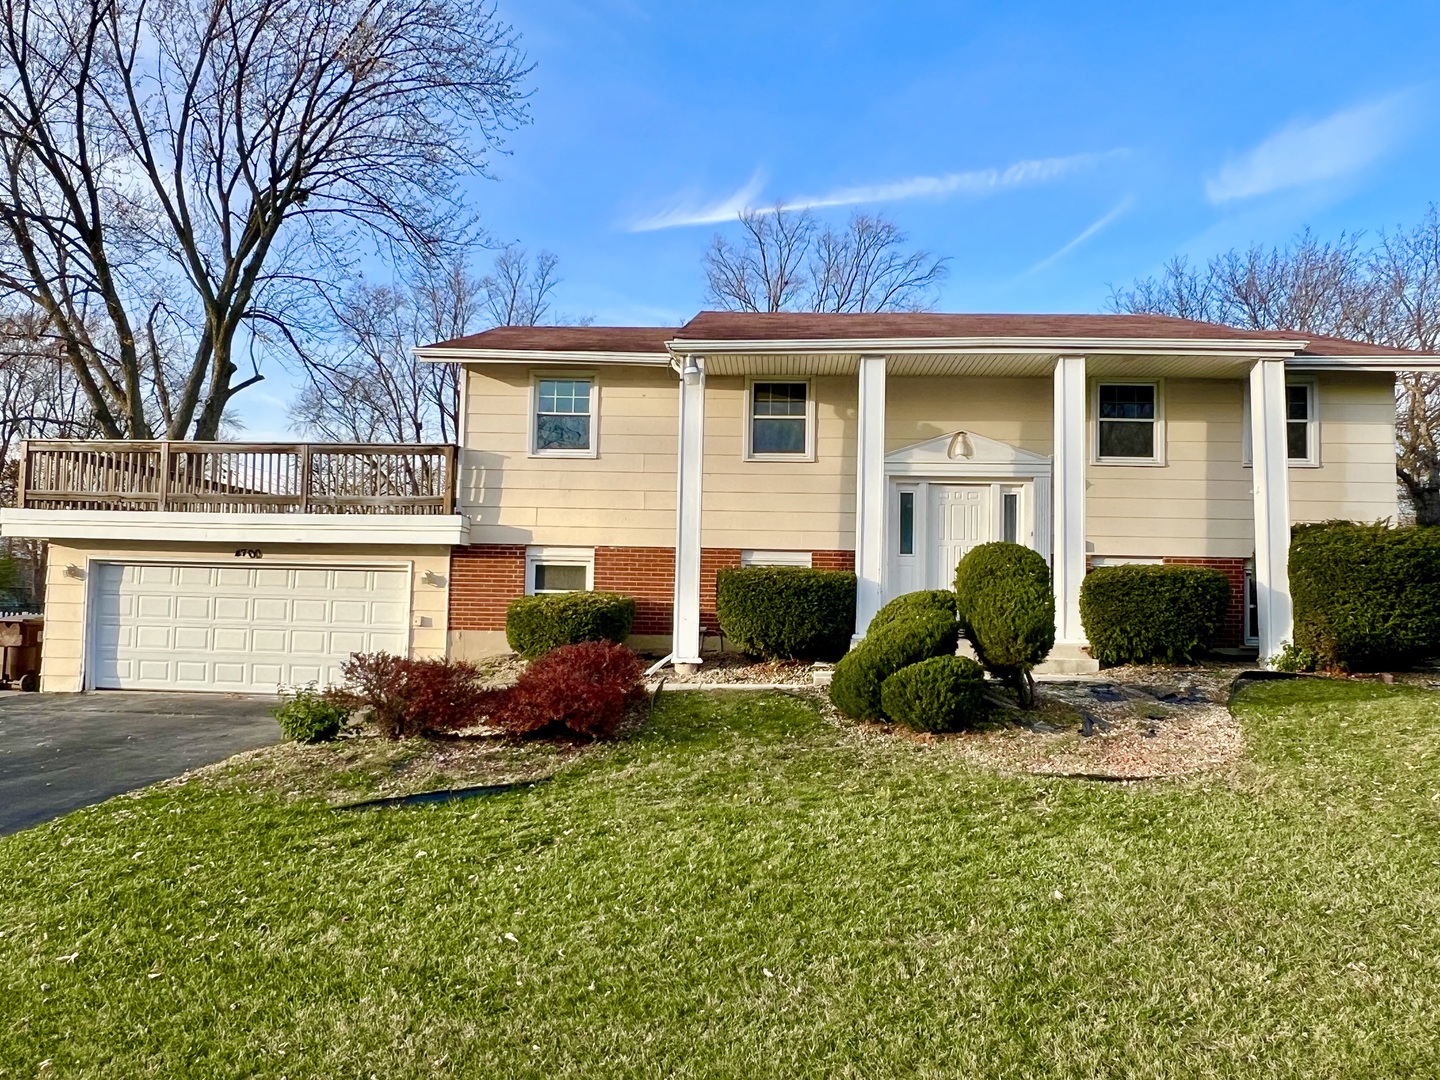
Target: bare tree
{"type": "Point", "coordinates": [787, 261]}
{"type": "Point", "coordinates": [370, 387]}
{"type": "Point", "coordinates": [1387, 293]}
{"type": "Point", "coordinates": [202, 170]}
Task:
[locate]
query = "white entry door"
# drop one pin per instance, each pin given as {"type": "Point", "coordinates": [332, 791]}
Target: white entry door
{"type": "Point", "coordinates": [251, 629]}
{"type": "Point", "coordinates": [960, 519]}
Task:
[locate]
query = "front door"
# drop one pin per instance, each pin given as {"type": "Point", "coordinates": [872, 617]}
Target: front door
{"type": "Point", "coordinates": [960, 518]}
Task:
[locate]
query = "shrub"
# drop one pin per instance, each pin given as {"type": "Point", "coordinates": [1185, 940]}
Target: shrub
{"type": "Point", "coordinates": [940, 601]}
{"type": "Point", "coordinates": [1366, 596]}
{"type": "Point", "coordinates": [1152, 614]}
{"type": "Point", "coordinates": [1007, 607]}
{"type": "Point", "coordinates": [404, 697]}
{"type": "Point", "coordinates": [582, 690]}
{"type": "Point", "coordinates": [787, 612]}
{"type": "Point", "coordinates": [308, 715]}
{"type": "Point", "coordinates": [944, 693]}
{"type": "Point", "coordinates": [856, 685]}
{"type": "Point", "coordinates": [1292, 658]}
{"type": "Point", "coordinates": [536, 624]}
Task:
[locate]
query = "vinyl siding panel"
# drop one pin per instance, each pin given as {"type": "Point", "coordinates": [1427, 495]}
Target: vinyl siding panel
{"type": "Point", "coordinates": [623, 496]}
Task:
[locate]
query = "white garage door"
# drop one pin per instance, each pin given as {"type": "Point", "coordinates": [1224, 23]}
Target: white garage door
{"type": "Point", "coordinates": [158, 626]}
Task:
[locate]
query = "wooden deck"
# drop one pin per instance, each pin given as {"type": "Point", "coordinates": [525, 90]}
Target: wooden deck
{"type": "Point", "coordinates": [239, 478]}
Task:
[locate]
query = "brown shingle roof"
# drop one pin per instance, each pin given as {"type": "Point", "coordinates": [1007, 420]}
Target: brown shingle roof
{"type": "Point", "coordinates": [618, 339]}
{"type": "Point", "coordinates": [806, 326]}
{"type": "Point", "coordinates": [745, 326]}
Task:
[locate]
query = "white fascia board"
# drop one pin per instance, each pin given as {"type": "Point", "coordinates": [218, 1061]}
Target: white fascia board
{"type": "Point", "coordinates": [540, 356]}
{"type": "Point", "coordinates": [1227, 347]}
{"type": "Point", "coordinates": [1363, 363]}
{"type": "Point", "coordinates": [441, 530]}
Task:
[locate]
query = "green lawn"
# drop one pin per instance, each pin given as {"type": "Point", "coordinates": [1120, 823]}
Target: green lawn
{"type": "Point", "coordinates": [748, 890]}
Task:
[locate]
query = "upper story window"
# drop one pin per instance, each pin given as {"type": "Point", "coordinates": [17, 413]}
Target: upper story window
{"type": "Point", "coordinates": [563, 417]}
{"type": "Point", "coordinates": [780, 421]}
{"type": "Point", "coordinates": [1128, 423]}
{"type": "Point", "coordinates": [1301, 444]}
{"type": "Point", "coordinates": [1302, 424]}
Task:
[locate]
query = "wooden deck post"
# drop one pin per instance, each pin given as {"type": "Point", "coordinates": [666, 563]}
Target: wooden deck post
{"type": "Point", "coordinates": [304, 478]}
{"type": "Point", "coordinates": [163, 492]}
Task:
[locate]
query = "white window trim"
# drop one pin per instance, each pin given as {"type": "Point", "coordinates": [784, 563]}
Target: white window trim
{"type": "Point", "coordinates": [1312, 425]}
{"type": "Point", "coordinates": [533, 403]}
{"type": "Point", "coordinates": [1158, 460]}
{"type": "Point", "coordinates": [1097, 561]}
{"type": "Point", "coordinates": [776, 558]}
{"type": "Point", "coordinates": [748, 418]}
{"type": "Point", "coordinates": [558, 556]}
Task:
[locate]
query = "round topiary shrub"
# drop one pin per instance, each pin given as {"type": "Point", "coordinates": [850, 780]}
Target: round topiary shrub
{"type": "Point", "coordinates": [787, 612]}
{"type": "Point", "coordinates": [1152, 614]}
{"type": "Point", "coordinates": [1367, 597]}
{"type": "Point", "coordinates": [856, 685]}
{"type": "Point", "coordinates": [939, 601]}
{"type": "Point", "coordinates": [1005, 603]}
{"type": "Point", "coordinates": [536, 624]}
{"type": "Point", "coordinates": [943, 693]}
{"type": "Point", "coordinates": [308, 715]}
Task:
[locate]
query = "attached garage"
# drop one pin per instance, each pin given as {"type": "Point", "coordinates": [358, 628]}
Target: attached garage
{"type": "Point", "coordinates": [238, 628]}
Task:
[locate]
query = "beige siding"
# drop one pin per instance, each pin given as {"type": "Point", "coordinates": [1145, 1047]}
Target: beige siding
{"type": "Point", "coordinates": [1356, 477]}
{"type": "Point", "coordinates": [65, 597]}
{"type": "Point", "coordinates": [623, 496]}
{"type": "Point", "coordinates": [1015, 411]}
{"type": "Point", "coordinates": [794, 505]}
{"type": "Point", "coordinates": [1199, 502]}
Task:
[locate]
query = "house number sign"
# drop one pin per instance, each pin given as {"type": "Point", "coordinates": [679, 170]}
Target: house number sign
{"type": "Point", "coordinates": [248, 553]}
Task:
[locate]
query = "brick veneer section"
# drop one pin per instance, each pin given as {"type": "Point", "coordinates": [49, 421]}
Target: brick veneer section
{"type": "Point", "coordinates": [1232, 633]}
{"type": "Point", "coordinates": [484, 578]}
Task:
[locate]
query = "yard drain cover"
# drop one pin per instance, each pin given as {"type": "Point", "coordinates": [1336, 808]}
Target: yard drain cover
{"type": "Point", "coordinates": [423, 798]}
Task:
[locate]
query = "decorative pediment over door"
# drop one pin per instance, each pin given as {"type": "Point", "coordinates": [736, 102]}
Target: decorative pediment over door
{"type": "Point", "coordinates": [963, 453]}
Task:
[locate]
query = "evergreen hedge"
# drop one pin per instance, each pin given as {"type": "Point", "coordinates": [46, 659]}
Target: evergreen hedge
{"type": "Point", "coordinates": [1005, 603]}
{"type": "Point", "coordinates": [856, 685]}
{"type": "Point", "coordinates": [1367, 597]}
{"type": "Point", "coordinates": [1152, 614]}
{"type": "Point", "coordinates": [787, 612]}
{"type": "Point", "coordinates": [536, 624]}
{"type": "Point", "coordinates": [943, 693]}
{"type": "Point", "coordinates": [940, 601]}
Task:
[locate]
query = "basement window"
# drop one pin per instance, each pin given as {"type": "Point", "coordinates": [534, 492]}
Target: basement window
{"type": "Point", "coordinates": [559, 570]}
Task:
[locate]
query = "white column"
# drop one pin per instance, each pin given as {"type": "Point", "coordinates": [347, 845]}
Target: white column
{"type": "Point", "coordinates": [690, 453]}
{"type": "Point", "coordinates": [870, 493]}
{"type": "Point", "coordinates": [1068, 564]}
{"type": "Point", "coordinates": [1271, 479]}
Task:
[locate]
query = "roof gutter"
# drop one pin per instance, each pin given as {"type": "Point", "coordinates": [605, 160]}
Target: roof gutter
{"type": "Point", "coordinates": [430, 355]}
{"type": "Point", "coordinates": [994, 344]}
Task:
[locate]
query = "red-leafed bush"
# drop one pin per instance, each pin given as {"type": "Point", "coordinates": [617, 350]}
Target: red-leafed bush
{"type": "Point", "coordinates": [583, 689]}
{"type": "Point", "coordinates": [404, 697]}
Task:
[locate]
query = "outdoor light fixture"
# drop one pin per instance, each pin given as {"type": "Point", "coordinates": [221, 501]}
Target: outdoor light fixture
{"type": "Point", "coordinates": [73, 571]}
{"type": "Point", "coordinates": [691, 370]}
{"type": "Point", "coordinates": [430, 577]}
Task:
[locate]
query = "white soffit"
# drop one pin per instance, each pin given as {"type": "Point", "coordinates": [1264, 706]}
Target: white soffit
{"type": "Point", "coordinates": [178, 527]}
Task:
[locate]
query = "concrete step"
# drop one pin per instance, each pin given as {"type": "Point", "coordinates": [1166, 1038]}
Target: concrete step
{"type": "Point", "coordinates": [1068, 660]}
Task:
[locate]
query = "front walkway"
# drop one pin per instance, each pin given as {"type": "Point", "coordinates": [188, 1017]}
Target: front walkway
{"type": "Point", "coordinates": [59, 752]}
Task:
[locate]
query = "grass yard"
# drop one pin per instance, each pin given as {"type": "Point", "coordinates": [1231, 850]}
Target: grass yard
{"type": "Point", "coordinates": [747, 889]}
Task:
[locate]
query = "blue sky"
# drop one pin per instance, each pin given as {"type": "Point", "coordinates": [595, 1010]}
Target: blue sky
{"type": "Point", "coordinates": [1048, 149]}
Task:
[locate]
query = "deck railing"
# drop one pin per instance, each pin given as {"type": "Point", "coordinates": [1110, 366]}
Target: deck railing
{"type": "Point", "coordinates": [239, 478]}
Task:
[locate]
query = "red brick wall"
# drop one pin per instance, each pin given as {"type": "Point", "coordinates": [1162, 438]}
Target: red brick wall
{"type": "Point", "coordinates": [484, 578]}
{"type": "Point", "coordinates": [647, 574]}
{"type": "Point", "coordinates": [1232, 634]}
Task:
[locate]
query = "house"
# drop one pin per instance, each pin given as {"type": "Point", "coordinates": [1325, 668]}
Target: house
{"type": "Point", "coordinates": [642, 460]}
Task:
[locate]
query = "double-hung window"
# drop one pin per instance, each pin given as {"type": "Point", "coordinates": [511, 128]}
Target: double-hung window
{"type": "Point", "coordinates": [564, 416]}
{"type": "Point", "coordinates": [779, 421]}
{"type": "Point", "coordinates": [1302, 424]}
{"type": "Point", "coordinates": [1127, 423]}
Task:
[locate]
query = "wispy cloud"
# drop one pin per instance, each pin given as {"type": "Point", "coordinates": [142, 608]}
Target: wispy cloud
{"type": "Point", "coordinates": [1095, 228]}
{"type": "Point", "coordinates": [1307, 153]}
{"type": "Point", "coordinates": [976, 182]}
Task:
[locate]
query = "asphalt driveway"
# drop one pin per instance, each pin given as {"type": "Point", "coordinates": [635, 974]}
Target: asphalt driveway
{"type": "Point", "coordinates": [59, 752]}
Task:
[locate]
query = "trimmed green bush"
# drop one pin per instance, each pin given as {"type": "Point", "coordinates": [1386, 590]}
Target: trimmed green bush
{"type": "Point", "coordinates": [941, 601]}
{"type": "Point", "coordinates": [1007, 607]}
{"type": "Point", "coordinates": [536, 624]}
{"type": "Point", "coordinates": [856, 685]}
{"type": "Point", "coordinates": [1152, 614]}
{"type": "Point", "coordinates": [944, 693]}
{"type": "Point", "coordinates": [787, 612]}
{"type": "Point", "coordinates": [1367, 597]}
{"type": "Point", "coordinates": [308, 715]}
